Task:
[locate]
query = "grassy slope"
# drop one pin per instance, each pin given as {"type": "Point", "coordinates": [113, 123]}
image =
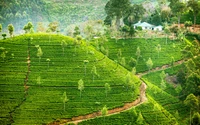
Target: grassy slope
{"type": "Point", "coordinates": [44, 102]}
{"type": "Point", "coordinates": [148, 50]}
{"type": "Point", "coordinates": [12, 74]}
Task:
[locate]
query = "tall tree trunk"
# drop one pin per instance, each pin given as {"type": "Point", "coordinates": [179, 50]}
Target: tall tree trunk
{"type": "Point", "coordinates": [179, 20]}
{"type": "Point", "coordinates": [195, 19]}
{"type": "Point", "coordinates": [117, 22]}
{"type": "Point", "coordinates": [64, 106]}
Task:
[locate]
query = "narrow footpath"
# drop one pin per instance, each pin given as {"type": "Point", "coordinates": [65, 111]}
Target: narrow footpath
{"type": "Point", "coordinates": [75, 120]}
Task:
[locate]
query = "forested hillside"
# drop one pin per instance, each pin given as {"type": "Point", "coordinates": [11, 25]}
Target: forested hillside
{"type": "Point", "coordinates": [66, 12]}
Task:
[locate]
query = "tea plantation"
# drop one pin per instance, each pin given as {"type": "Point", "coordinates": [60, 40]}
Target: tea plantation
{"type": "Point", "coordinates": [41, 76]}
{"type": "Point", "coordinates": [39, 98]}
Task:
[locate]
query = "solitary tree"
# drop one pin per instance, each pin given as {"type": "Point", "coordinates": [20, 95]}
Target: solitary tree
{"type": "Point", "coordinates": [195, 7]}
{"type": "Point", "coordinates": [39, 53]}
{"type": "Point", "coordinates": [149, 64]}
{"type": "Point", "coordinates": [167, 31]}
{"type": "Point", "coordinates": [28, 27]}
{"type": "Point", "coordinates": [65, 99]}
{"type": "Point", "coordinates": [10, 29]}
{"type": "Point", "coordinates": [52, 27]}
{"type": "Point", "coordinates": [104, 112]}
{"type": "Point", "coordinates": [138, 52]}
{"type": "Point", "coordinates": [63, 44]}
{"type": "Point", "coordinates": [76, 31]}
{"type": "Point", "coordinates": [162, 75]}
{"type": "Point", "coordinates": [4, 35]}
{"type": "Point", "coordinates": [39, 80]}
{"type": "Point", "coordinates": [133, 71]}
{"type": "Point", "coordinates": [48, 60]}
{"type": "Point", "coordinates": [80, 86]}
{"type": "Point", "coordinates": [158, 49]}
{"type": "Point", "coordinates": [94, 72]}
{"type": "Point", "coordinates": [107, 88]}
{"type": "Point", "coordinates": [3, 55]}
{"type": "Point", "coordinates": [163, 84]}
{"type": "Point", "coordinates": [85, 65]}
{"type": "Point", "coordinates": [128, 80]}
{"type": "Point", "coordinates": [0, 28]}
{"type": "Point", "coordinates": [116, 9]}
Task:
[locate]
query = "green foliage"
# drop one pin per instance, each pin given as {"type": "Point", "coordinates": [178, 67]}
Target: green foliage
{"type": "Point", "coordinates": [192, 102]}
{"type": "Point", "coordinates": [28, 27]}
{"type": "Point", "coordinates": [80, 86]}
{"type": "Point", "coordinates": [62, 76]}
{"type": "Point", "coordinates": [133, 62]}
{"type": "Point", "coordinates": [140, 119]}
{"type": "Point", "coordinates": [4, 35]}
{"type": "Point", "coordinates": [149, 63]}
{"type": "Point", "coordinates": [76, 31]}
{"type": "Point", "coordinates": [107, 88]}
{"type": "Point", "coordinates": [196, 119]}
{"type": "Point", "coordinates": [10, 29]}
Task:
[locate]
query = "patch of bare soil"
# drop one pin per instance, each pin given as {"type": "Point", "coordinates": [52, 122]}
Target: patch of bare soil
{"type": "Point", "coordinates": [172, 80]}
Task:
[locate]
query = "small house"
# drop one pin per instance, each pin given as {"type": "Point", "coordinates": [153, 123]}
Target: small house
{"type": "Point", "coordinates": [158, 28]}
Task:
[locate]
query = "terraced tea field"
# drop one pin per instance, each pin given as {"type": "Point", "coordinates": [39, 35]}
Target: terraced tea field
{"type": "Point", "coordinates": [38, 70]}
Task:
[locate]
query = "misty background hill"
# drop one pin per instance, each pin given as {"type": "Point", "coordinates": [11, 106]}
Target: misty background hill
{"type": "Point", "coordinates": [66, 12]}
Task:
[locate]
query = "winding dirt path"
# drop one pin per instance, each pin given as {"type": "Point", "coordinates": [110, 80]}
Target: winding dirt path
{"type": "Point", "coordinates": [142, 98]}
{"type": "Point", "coordinates": [161, 68]}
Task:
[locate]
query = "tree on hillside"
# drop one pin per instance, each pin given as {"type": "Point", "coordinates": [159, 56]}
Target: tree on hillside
{"type": "Point", "coordinates": [38, 80]}
{"type": "Point", "coordinates": [162, 75]}
{"type": "Point", "coordinates": [132, 31]}
{"type": "Point", "coordinates": [117, 8]}
{"type": "Point", "coordinates": [94, 72]}
{"type": "Point", "coordinates": [194, 6]}
{"type": "Point", "coordinates": [134, 14]}
{"type": "Point", "coordinates": [107, 88]}
{"type": "Point", "coordinates": [76, 31]}
{"type": "Point", "coordinates": [149, 64]}
{"type": "Point", "coordinates": [104, 112]}
{"type": "Point", "coordinates": [178, 8]}
{"type": "Point", "coordinates": [132, 62]}
{"type": "Point", "coordinates": [4, 35]}
{"type": "Point", "coordinates": [128, 80]}
{"type": "Point", "coordinates": [88, 31]}
{"type": "Point", "coordinates": [63, 44]}
{"type": "Point", "coordinates": [192, 102]}
{"type": "Point", "coordinates": [40, 27]}
{"type": "Point", "coordinates": [167, 31]}
{"type": "Point", "coordinates": [48, 60]}
{"type": "Point", "coordinates": [65, 99]}
{"type": "Point", "coordinates": [3, 54]}
{"type": "Point", "coordinates": [138, 53]}
{"type": "Point", "coordinates": [0, 28]}
{"type": "Point", "coordinates": [163, 84]}
{"type": "Point", "coordinates": [52, 27]}
{"type": "Point", "coordinates": [158, 49]}
{"type": "Point", "coordinates": [85, 65]}
{"type": "Point", "coordinates": [133, 71]}
{"type": "Point", "coordinates": [39, 52]}
{"type": "Point", "coordinates": [80, 86]}
{"type": "Point", "coordinates": [11, 29]}
{"type": "Point", "coordinates": [165, 14]}
{"type": "Point", "coordinates": [28, 27]}
{"type": "Point", "coordinates": [126, 30]}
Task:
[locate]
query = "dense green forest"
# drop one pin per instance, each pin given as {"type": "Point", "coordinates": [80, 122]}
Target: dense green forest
{"type": "Point", "coordinates": [66, 12]}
